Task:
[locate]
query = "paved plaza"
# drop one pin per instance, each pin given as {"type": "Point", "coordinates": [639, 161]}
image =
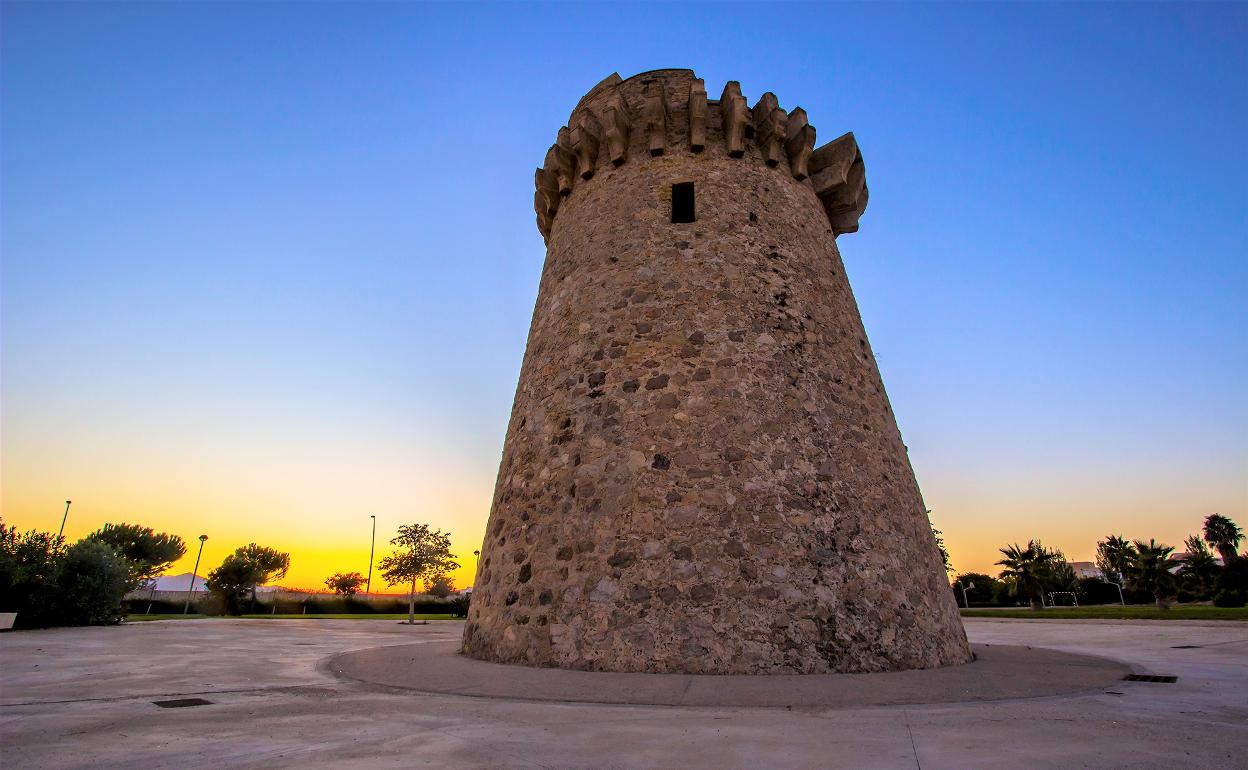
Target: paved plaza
{"type": "Point", "coordinates": [83, 697]}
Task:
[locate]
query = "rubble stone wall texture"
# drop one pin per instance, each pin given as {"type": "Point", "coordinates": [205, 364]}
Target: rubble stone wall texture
{"type": "Point", "coordinates": [702, 472]}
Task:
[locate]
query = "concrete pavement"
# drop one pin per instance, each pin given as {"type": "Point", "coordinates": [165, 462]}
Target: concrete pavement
{"type": "Point", "coordinates": [83, 698]}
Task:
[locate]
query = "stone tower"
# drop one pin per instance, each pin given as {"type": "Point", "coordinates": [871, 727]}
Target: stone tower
{"type": "Point", "coordinates": [702, 472]}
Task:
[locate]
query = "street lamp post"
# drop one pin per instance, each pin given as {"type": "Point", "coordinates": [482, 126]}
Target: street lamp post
{"type": "Point", "coordinates": [187, 607]}
{"type": "Point", "coordinates": [63, 518]}
{"type": "Point", "coordinates": [368, 587]}
{"type": "Point", "coordinates": [963, 586]}
{"type": "Point", "coordinates": [1121, 600]}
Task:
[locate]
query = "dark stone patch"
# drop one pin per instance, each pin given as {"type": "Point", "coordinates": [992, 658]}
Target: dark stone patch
{"type": "Point", "coordinates": [702, 593]}
{"type": "Point", "coordinates": [823, 556]}
{"type": "Point", "coordinates": [526, 572]}
{"type": "Point", "coordinates": [662, 463]}
{"type": "Point", "coordinates": [657, 382]}
{"type": "Point", "coordinates": [622, 558]}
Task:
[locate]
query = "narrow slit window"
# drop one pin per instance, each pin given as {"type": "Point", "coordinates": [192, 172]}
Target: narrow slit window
{"type": "Point", "coordinates": [682, 202]}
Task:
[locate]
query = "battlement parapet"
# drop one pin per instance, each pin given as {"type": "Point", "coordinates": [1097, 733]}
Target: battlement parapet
{"type": "Point", "coordinates": [667, 111]}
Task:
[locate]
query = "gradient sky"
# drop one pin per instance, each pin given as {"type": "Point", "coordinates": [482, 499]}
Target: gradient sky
{"type": "Point", "coordinates": [269, 268]}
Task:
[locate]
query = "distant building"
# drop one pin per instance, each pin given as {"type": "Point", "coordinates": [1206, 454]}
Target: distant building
{"type": "Point", "coordinates": [1087, 569]}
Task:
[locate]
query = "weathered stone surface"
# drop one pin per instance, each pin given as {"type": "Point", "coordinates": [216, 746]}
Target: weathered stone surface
{"type": "Point", "coordinates": [702, 472]}
{"type": "Point", "coordinates": [799, 143]}
{"type": "Point", "coordinates": [769, 128]}
{"type": "Point", "coordinates": [839, 178]}
{"type": "Point", "coordinates": [734, 115]}
{"type": "Point", "coordinates": [697, 115]}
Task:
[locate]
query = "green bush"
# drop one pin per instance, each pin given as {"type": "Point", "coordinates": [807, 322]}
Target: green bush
{"type": "Point", "coordinates": [48, 584]}
{"type": "Point", "coordinates": [1230, 599]}
{"type": "Point", "coordinates": [30, 564]}
{"type": "Point", "coordinates": [92, 583]}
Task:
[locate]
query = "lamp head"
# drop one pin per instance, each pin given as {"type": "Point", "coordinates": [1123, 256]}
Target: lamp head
{"type": "Point", "coordinates": [202, 538]}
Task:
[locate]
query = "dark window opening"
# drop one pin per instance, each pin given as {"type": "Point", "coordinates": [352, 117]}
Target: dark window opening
{"type": "Point", "coordinates": [682, 202]}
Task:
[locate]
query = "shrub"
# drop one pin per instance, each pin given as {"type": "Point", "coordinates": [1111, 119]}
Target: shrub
{"type": "Point", "coordinates": [1230, 599]}
{"type": "Point", "coordinates": [92, 582]}
{"type": "Point", "coordinates": [30, 564]}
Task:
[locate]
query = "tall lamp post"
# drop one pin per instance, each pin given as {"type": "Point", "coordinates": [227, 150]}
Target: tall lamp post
{"type": "Point", "coordinates": [368, 587]}
{"type": "Point", "coordinates": [966, 602]}
{"type": "Point", "coordinates": [1121, 600]}
{"type": "Point", "coordinates": [187, 607]}
{"type": "Point", "coordinates": [63, 518]}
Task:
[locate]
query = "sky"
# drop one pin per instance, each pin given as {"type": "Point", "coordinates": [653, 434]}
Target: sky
{"type": "Point", "coordinates": [268, 268]}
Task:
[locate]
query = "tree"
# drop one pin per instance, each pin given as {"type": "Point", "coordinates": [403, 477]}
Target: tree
{"type": "Point", "coordinates": [1200, 569]}
{"type": "Point", "coordinates": [1150, 571]}
{"type": "Point", "coordinates": [1224, 535]}
{"type": "Point", "coordinates": [248, 567]}
{"type": "Point", "coordinates": [423, 552]}
{"type": "Point", "coordinates": [93, 581]}
{"type": "Point", "coordinates": [148, 553]}
{"type": "Point", "coordinates": [1027, 568]}
{"type": "Point", "coordinates": [1113, 554]}
{"type": "Point", "coordinates": [345, 583]}
{"type": "Point", "coordinates": [980, 588]}
{"type": "Point", "coordinates": [440, 586]}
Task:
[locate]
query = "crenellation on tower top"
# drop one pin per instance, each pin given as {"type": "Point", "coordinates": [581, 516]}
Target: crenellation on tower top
{"type": "Point", "coordinates": [670, 111]}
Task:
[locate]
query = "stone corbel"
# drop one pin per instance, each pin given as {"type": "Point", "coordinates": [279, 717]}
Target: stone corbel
{"type": "Point", "coordinates": [547, 191]}
{"type": "Point", "coordinates": [839, 178]}
{"type": "Point", "coordinates": [561, 161]}
{"type": "Point", "coordinates": [615, 125]}
{"type": "Point", "coordinates": [654, 117]}
{"type": "Point", "coordinates": [799, 142]}
{"type": "Point", "coordinates": [585, 144]}
{"type": "Point", "coordinates": [769, 129]}
{"type": "Point", "coordinates": [735, 116]}
{"type": "Point", "coordinates": [697, 115]}
{"type": "Point", "coordinates": [543, 215]}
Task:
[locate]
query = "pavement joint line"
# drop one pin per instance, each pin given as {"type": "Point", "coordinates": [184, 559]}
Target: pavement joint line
{"type": "Point", "coordinates": [120, 698]}
{"type": "Point", "coordinates": [910, 732]}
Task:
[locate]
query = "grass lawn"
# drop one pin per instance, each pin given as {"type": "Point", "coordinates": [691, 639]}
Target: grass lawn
{"type": "Point", "coordinates": [1111, 612]}
{"type": "Point", "coordinates": [327, 616]}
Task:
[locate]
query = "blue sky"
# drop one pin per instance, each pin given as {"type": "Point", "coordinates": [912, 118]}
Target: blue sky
{"type": "Point", "coordinates": [277, 261]}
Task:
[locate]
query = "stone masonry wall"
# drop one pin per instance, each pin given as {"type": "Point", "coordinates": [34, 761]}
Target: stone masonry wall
{"type": "Point", "coordinates": [702, 472]}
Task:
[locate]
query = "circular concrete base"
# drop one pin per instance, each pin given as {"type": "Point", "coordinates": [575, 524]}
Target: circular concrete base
{"type": "Point", "coordinates": [998, 673]}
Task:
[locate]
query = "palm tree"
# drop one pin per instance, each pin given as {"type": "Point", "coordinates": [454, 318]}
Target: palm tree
{"type": "Point", "coordinates": [1150, 571]}
{"type": "Point", "coordinates": [1200, 570]}
{"type": "Point", "coordinates": [1113, 554]}
{"type": "Point", "coordinates": [1224, 535]}
{"type": "Point", "coordinates": [1027, 568]}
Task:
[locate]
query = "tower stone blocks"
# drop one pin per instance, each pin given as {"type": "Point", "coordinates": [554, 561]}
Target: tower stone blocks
{"type": "Point", "coordinates": [702, 472]}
